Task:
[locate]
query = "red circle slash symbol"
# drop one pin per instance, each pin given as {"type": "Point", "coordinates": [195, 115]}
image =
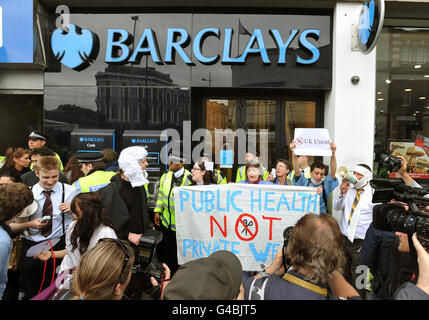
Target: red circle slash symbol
{"type": "Point", "coordinates": [250, 234]}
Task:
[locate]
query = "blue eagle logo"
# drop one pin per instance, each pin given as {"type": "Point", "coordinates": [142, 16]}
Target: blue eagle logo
{"type": "Point", "coordinates": [75, 48]}
{"type": "Point", "coordinates": [366, 22]}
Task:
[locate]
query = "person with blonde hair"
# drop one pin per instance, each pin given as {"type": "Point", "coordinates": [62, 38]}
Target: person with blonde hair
{"type": "Point", "coordinates": [54, 200]}
{"type": "Point", "coordinates": [103, 273]}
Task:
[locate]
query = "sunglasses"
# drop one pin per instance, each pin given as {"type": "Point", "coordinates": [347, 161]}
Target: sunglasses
{"type": "Point", "coordinates": [124, 249]}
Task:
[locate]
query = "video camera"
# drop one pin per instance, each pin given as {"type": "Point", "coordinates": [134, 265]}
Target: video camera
{"type": "Point", "coordinates": [395, 216]}
{"type": "Point", "coordinates": [146, 266]}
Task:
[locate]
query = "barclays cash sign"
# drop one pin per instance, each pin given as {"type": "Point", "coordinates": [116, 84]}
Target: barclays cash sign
{"type": "Point", "coordinates": [77, 48]}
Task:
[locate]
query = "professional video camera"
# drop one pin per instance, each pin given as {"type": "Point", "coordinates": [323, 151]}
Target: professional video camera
{"type": "Point", "coordinates": [146, 266]}
{"type": "Point", "coordinates": [396, 216]}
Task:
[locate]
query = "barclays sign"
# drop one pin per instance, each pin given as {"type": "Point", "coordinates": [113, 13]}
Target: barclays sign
{"type": "Point", "coordinates": [77, 48]}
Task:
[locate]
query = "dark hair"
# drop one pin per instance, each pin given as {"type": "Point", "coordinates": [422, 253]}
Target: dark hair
{"type": "Point", "coordinates": [109, 155]}
{"type": "Point", "coordinates": [14, 197]}
{"type": "Point", "coordinates": [319, 165]}
{"type": "Point", "coordinates": [208, 176]}
{"type": "Point", "coordinates": [285, 162]}
{"type": "Point", "coordinates": [11, 154]}
{"type": "Point", "coordinates": [73, 167]}
{"type": "Point", "coordinates": [93, 215]}
{"type": "Point", "coordinates": [365, 166]}
{"type": "Point", "coordinates": [42, 151]}
{"type": "Point", "coordinates": [10, 174]}
{"type": "Point", "coordinates": [316, 243]}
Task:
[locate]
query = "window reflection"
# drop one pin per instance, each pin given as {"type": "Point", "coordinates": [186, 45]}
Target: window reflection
{"type": "Point", "coordinates": [402, 110]}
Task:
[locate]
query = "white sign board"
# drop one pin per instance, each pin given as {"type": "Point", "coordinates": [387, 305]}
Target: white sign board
{"type": "Point", "coordinates": [246, 219]}
{"type": "Point", "coordinates": [312, 142]}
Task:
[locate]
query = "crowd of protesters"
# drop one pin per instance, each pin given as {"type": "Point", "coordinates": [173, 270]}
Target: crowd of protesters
{"type": "Point", "coordinates": [87, 218]}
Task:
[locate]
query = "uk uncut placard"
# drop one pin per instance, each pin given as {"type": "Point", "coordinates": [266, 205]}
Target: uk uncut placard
{"type": "Point", "coordinates": [312, 142]}
{"type": "Point", "coordinates": [247, 220]}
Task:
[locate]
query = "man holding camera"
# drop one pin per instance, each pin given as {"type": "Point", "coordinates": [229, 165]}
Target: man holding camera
{"type": "Point", "coordinates": [315, 254]}
{"type": "Point", "coordinates": [356, 204]}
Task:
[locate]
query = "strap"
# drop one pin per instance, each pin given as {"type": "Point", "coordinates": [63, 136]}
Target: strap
{"type": "Point", "coordinates": [307, 285]}
{"type": "Point", "coordinates": [62, 212]}
{"type": "Point", "coordinates": [257, 288]}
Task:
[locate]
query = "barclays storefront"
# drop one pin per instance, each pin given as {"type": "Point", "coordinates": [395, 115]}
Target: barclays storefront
{"type": "Point", "coordinates": [124, 72]}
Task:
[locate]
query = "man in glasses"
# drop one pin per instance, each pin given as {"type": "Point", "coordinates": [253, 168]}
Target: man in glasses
{"type": "Point", "coordinates": [165, 218]}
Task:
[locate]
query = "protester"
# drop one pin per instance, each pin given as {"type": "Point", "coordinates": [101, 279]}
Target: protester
{"type": "Point", "coordinates": [92, 166]}
{"type": "Point", "coordinates": [90, 224]}
{"type": "Point", "coordinates": [302, 162]}
{"type": "Point", "coordinates": [241, 172]}
{"type": "Point", "coordinates": [356, 205]}
{"type": "Point", "coordinates": [218, 176]}
{"type": "Point", "coordinates": [30, 178]}
{"type": "Point", "coordinates": [283, 167]}
{"type": "Point", "coordinates": [217, 277]}
{"type": "Point", "coordinates": [317, 171]}
{"type": "Point", "coordinates": [8, 177]}
{"type": "Point", "coordinates": [17, 161]}
{"type": "Point", "coordinates": [254, 173]}
{"type": "Point", "coordinates": [103, 273]}
{"type": "Point", "coordinates": [164, 217]}
{"type": "Point", "coordinates": [14, 198]}
{"type": "Point", "coordinates": [53, 200]}
{"type": "Point", "coordinates": [126, 197]}
{"type": "Point", "coordinates": [315, 250]}
{"type": "Point", "coordinates": [72, 169]}
{"type": "Point", "coordinates": [200, 175]}
{"type": "Point", "coordinates": [110, 158]}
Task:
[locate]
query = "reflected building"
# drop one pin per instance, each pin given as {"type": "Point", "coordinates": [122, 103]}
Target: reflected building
{"type": "Point", "coordinates": [140, 98]}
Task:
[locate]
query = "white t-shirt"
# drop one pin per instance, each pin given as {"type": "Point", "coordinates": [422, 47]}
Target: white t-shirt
{"type": "Point", "coordinates": [72, 258]}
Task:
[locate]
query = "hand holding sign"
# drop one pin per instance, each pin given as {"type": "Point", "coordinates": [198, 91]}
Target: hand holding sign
{"type": "Point", "coordinates": [312, 142]}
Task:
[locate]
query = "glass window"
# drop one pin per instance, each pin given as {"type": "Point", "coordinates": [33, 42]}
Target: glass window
{"type": "Point", "coordinates": [402, 93]}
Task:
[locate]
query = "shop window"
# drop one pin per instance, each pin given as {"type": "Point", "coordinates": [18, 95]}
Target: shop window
{"type": "Point", "coordinates": [402, 93]}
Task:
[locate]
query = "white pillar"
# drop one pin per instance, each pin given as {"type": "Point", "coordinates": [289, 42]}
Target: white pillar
{"type": "Point", "coordinates": [350, 109]}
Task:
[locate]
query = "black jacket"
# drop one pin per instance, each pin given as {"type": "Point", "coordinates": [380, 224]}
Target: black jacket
{"type": "Point", "coordinates": [125, 206]}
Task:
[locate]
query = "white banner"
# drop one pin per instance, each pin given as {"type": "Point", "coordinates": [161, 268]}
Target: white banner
{"type": "Point", "coordinates": [247, 220]}
{"type": "Point", "coordinates": [312, 142]}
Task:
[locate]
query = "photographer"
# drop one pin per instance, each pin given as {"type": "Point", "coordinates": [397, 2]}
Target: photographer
{"type": "Point", "coordinates": [316, 255]}
{"type": "Point", "coordinates": [376, 251]}
{"type": "Point", "coordinates": [420, 291]}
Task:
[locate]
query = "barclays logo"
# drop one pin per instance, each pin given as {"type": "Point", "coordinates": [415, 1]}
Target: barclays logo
{"type": "Point", "coordinates": [366, 21]}
{"type": "Point", "coordinates": [91, 139]}
{"type": "Point", "coordinates": [133, 140]}
{"type": "Point", "coordinates": [75, 48]}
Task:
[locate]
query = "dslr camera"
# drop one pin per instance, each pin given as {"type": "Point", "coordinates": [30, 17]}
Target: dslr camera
{"type": "Point", "coordinates": [395, 216]}
{"type": "Point", "coordinates": [391, 163]}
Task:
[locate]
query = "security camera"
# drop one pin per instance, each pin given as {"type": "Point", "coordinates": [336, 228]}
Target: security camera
{"type": "Point", "coordinates": [355, 79]}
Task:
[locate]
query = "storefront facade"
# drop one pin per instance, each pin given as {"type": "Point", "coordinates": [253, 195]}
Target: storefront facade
{"type": "Point", "coordinates": [271, 67]}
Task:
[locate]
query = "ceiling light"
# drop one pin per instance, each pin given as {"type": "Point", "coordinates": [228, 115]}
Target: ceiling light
{"type": "Point", "coordinates": [380, 99]}
{"type": "Point", "coordinates": [417, 111]}
{"type": "Point", "coordinates": [422, 98]}
{"type": "Point", "coordinates": [426, 76]}
{"type": "Point", "coordinates": [388, 81]}
{"type": "Point", "coordinates": [408, 90]}
{"type": "Point", "coordinates": [379, 92]}
{"type": "Point", "coordinates": [417, 66]}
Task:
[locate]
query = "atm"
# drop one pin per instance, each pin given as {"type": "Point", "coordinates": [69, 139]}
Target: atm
{"type": "Point", "coordinates": [151, 140]}
{"type": "Point", "coordinates": [92, 140]}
